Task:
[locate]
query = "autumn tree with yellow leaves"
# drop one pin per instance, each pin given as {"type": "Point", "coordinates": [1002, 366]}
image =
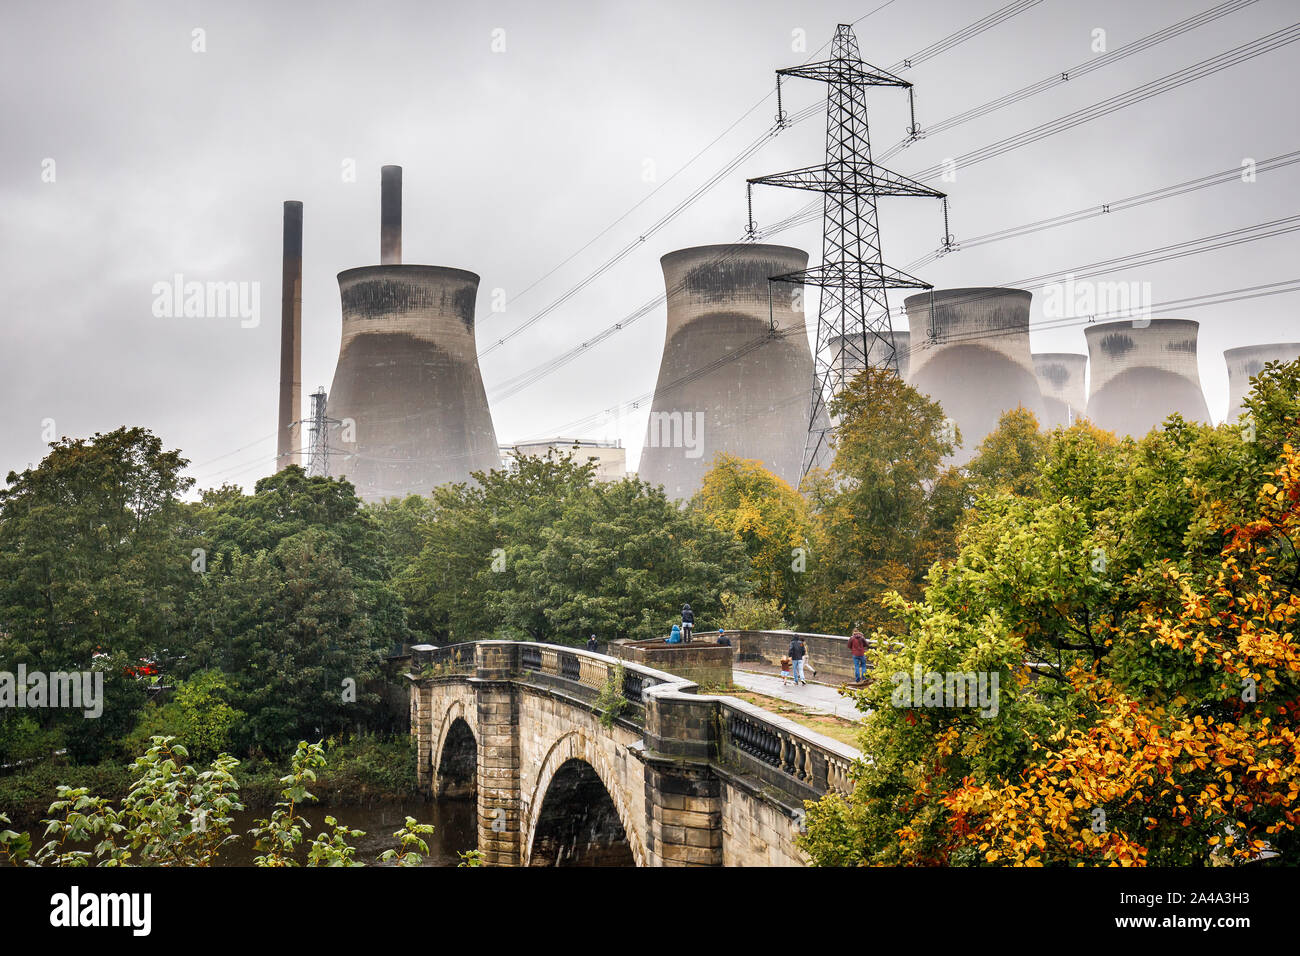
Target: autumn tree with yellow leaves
{"type": "Point", "coordinates": [764, 513]}
{"type": "Point", "coordinates": [1140, 608]}
{"type": "Point", "coordinates": [886, 510]}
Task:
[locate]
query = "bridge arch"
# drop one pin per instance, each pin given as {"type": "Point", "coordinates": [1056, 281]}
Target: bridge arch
{"type": "Point", "coordinates": [455, 757]}
{"type": "Point", "coordinates": [566, 760]}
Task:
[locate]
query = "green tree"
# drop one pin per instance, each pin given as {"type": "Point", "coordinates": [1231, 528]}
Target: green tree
{"type": "Point", "coordinates": [298, 606]}
{"type": "Point", "coordinates": [401, 525]}
{"type": "Point", "coordinates": [174, 815]}
{"type": "Point", "coordinates": [768, 517]}
{"type": "Point", "coordinates": [620, 561]}
{"type": "Point", "coordinates": [1121, 608]}
{"type": "Point", "coordinates": [199, 716]}
{"type": "Point", "coordinates": [887, 509]}
{"type": "Point", "coordinates": [286, 504]}
{"type": "Point", "coordinates": [543, 552]}
{"type": "Point", "coordinates": [292, 632]}
{"type": "Point", "coordinates": [94, 560]}
{"type": "Point", "coordinates": [473, 537]}
{"type": "Point", "coordinates": [1007, 461]}
{"type": "Point", "coordinates": [748, 612]}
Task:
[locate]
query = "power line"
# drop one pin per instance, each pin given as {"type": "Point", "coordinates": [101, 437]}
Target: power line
{"type": "Point", "coordinates": [812, 211]}
{"type": "Point", "coordinates": [1186, 304]}
{"type": "Point", "coordinates": [1176, 250]}
{"type": "Point", "coordinates": [1171, 305]}
{"type": "Point", "coordinates": [1229, 175]}
{"type": "Point", "coordinates": [1073, 73]}
{"type": "Point", "coordinates": [204, 464]}
{"type": "Point", "coordinates": [947, 43]}
{"type": "Point", "coordinates": [1147, 257]}
{"type": "Point", "coordinates": [1190, 74]}
{"type": "Point", "coordinates": [961, 36]}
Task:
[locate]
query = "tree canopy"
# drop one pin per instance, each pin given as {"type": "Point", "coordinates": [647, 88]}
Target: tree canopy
{"type": "Point", "coordinates": [1139, 607]}
{"type": "Point", "coordinates": [543, 551]}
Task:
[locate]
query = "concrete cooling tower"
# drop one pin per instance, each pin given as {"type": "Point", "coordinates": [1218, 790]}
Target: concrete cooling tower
{"type": "Point", "coordinates": [899, 342]}
{"type": "Point", "coordinates": [407, 388]}
{"type": "Point", "coordinates": [1248, 361]}
{"type": "Point", "coordinates": [1061, 377]}
{"type": "Point", "coordinates": [1143, 373]}
{"type": "Point", "coordinates": [973, 358]}
{"type": "Point", "coordinates": [725, 383]}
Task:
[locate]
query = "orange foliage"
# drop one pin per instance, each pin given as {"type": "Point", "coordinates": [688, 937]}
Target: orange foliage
{"type": "Point", "coordinates": [1146, 765]}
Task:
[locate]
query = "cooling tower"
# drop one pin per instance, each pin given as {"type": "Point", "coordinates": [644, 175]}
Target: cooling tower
{"type": "Point", "coordinates": [407, 389]}
{"type": "Point", "coordinates": [898, 341]}
{"type": "Point", "coordinates": [1141, 372]}
{"type": "Point", "coordinates": [725, 383]}
{"type": "Point", "coordinates": [973, 358]}
{"type": "Point", "coordinates": [1061, 377]}
{"type": "Point", "coordinates": [1248, 361]}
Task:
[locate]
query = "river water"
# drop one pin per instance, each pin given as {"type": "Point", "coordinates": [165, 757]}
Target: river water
{"type": "Point", "coordinates": [454, 830]}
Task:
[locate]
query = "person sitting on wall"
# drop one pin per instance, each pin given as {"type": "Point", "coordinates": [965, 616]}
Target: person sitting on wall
{"type": "Point", "coordinates": [723, 639]}
{"type": "Point", "coordinates": [675, 637]}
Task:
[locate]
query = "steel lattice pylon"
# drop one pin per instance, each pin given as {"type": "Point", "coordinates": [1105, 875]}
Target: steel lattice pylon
{"type": "Point", "coordinates": [319, 462]}
{"type": "Point", "coordinates": [854, 280]}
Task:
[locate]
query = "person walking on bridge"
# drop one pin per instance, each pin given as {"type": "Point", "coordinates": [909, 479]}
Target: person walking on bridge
{"type": "Point", "coordinates": [797, 652]}
{"type": "Point", "coordinates": [858, 648]}
{"type": "Point", "coordinates": [688, 622]}
{"type": "Point", "coordinates": [592, 644]}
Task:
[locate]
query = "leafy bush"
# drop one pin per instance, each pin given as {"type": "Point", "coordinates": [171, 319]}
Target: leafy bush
{"type": "Point", "coordinates": [178, 815]}
{"type": "Point", "coordinates": [198, 716]}
{"type": "Point", "coordinates": [746, 612]}
{"type": "Point", "coordinates": [611, 702]}
{"type": "Point", "coordinates": [22, 739]}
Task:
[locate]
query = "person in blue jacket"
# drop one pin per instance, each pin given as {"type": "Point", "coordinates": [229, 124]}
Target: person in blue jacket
{"type": "Point", "coordinates": [675, 637]}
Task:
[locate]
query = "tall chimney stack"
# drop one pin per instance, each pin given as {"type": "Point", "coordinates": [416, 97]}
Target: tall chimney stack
{"type": "Point", "coordinates": [390, 216]}
{"type": "Point", "coordinates": [286, 450]}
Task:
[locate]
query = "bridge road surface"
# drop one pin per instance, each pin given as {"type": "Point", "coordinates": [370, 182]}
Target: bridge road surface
{"type": "Point", "coordinates": [819, 698]}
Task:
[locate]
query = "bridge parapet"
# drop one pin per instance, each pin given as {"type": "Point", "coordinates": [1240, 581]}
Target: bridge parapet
{"type": "Point", "coordinates": [783, 752]}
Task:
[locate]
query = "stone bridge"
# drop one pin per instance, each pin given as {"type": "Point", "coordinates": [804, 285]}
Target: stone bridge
{"type": "Point", "coordinates": [576, 758]}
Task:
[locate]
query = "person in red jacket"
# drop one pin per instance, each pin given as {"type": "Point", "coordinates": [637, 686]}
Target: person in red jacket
{"type": "Point", "coordinates": [858, 648]}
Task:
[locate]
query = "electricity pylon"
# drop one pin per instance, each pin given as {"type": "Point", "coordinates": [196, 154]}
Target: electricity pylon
{"type": "Point", "coordinates": [319, 462]}
{"type": "Point", "coordinates": [852, 276]}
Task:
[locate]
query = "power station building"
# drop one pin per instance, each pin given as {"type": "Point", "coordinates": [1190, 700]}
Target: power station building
{"type": "Point", "coordinates": [1141, 372]}
{"type": "Point", "coordinates": [407, 391]}
{"type": "Point", "coordinates": [970, 353]}
{"type": "Point", "coordinates": [1062, 377]}
{"type": "Point", "coordinates": [736, 373]}
{"type": "Point", "coordinates": [1248, 361]}
{"type": "Point", "coordinates": [609, 457]}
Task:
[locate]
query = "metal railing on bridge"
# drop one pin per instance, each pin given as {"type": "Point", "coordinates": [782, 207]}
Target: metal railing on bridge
{"type": "Point", "coordinates": [590, 676]}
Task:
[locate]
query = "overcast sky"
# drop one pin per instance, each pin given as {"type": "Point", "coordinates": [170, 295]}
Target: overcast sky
{"type": "Point", "coordinates": [167, 160]}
